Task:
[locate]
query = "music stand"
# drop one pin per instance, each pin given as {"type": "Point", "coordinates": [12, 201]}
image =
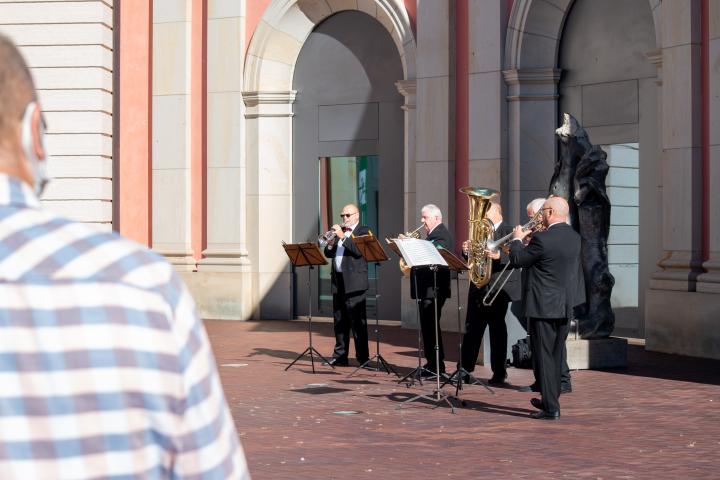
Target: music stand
{"type": "Point", "coordinates": [306, 255]}
{"type": "Point", "coordinates": [416, 374]}
{"type": "Point", "coordinates": [424, 249]}
{"type": "Point", "coordinates": [458, 376]}
{"type": "Point", "coordinates": [372, 251]}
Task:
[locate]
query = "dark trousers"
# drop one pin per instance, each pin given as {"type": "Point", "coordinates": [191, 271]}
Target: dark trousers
{"type": "Point", "coordinates": [547, 342]}
{"type": "Point", "coordinates": [427, 324]}
{"type": "Point", "coordinates": [565, 380]}
{"type": "Point", "coordinates": [349, 314]}
{"type": "Point", "coordinates": [478, 317]}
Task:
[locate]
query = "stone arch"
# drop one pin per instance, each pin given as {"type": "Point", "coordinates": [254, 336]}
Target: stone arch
{"type": "Point", "coordinates": [268, 98]}
{"type": "Point", "coordinates": [285, 25]}
{"type": "Point", "coordinates": [535, 29]}
{"type": "Point", "coordinates": [532, 73]}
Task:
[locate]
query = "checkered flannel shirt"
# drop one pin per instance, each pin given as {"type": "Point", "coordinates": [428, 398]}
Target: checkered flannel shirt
{"type": "Point", "coordinates": [105, 369]}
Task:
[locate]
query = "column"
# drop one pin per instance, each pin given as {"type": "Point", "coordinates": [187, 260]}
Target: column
{"type": "Point", "coordinates": [269, 199]}
{"type": "Point", "coordinates": [532, 148]}
{"type": "Point", "coordinates": [710, 282]}
{"type": "Point", "coordinates": [171, 127]}
{"type": "Point", "coordinates": [681, 156]}
{"type": "Point", "coordinates": [133, 149]}
{"type": "Point", "coordinates": [224, 287]}
{"type": "Point", "coordinates": [682, 304]}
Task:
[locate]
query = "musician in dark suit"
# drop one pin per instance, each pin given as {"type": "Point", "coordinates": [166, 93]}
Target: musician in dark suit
{"type": "Point", "coordinates": [349, 279]}
{"type": "Point", "coordinates": [551, 259]}
{"type": "Point", "coordinates": [566, 381]}
{"type": "Point", "coordinates": [480, 316]}
{"type": "Point", "coordinates": [421, 287]}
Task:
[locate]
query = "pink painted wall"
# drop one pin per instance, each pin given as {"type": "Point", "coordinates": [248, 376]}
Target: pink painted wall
{"type": "Point", "coordinates": [134, 133]}
{"type": "Point", "coordinates": [254, 10]}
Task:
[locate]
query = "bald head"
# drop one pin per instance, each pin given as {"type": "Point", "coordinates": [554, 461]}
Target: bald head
{"type": "Point", "coordinates": [16, 90]}
{"type": "Point", "coordinates": [555, 210]}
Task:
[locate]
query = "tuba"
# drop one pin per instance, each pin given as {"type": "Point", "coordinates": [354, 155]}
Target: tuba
{"type": "Point", "coordinates": [480, 232]}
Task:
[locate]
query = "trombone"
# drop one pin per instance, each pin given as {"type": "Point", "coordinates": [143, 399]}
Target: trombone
{"type": "Point", "coordinates": [533, 224]}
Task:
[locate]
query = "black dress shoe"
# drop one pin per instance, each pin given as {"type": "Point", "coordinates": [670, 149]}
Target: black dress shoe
{"type": "Point", "coordinates": [498, 380]}
{"type": "Point", "coordinates": [530, 388]}
{"type": "Point", "coordinates": [566, 389]}
{"type": "Point", "coordinates": [543, 415]}
{"type": "Point", "coordinates": [336, 362]}
{"type": "Point", "coordinates": [537, 403]}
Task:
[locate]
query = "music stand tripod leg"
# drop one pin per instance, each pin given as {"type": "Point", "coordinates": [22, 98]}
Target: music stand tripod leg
{"type": "Point", "coordinates": [310, 349]}
{"type": "Point", "coordinates": [460, 374]}
{"type": "Point", "coordinates": [380, 360]}
{"type": "Point", "coordinates": [438, 395]}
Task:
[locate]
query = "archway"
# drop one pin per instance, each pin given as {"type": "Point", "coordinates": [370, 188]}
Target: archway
{"type": "Point", "coordinates": [551, 57]}
{"type": "Point", "coordinates": [268, 95]}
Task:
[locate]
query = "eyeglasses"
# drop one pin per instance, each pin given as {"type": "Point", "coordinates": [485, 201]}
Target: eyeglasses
{"type": "Point", "coordinates": [347, 214]}
{"type": "Point", "coordinates": [546, 208]}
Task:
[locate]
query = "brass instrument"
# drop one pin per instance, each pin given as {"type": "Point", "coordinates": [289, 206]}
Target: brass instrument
{"type": "Point", "coordinates": [327, 237]}
{"type": "Point", "coordinates": [413, 234]}
{"type": "Point", "coordinates": [480, 232]}
{"type": "Point", "coordinates": [534, 225]}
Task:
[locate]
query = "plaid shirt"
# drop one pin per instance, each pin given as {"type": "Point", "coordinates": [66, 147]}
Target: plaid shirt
{"type": "Point", "coordinates": [105, 369]}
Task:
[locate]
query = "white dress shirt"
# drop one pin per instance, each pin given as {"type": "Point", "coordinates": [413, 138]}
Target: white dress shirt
{"type": "Point", "coordinates": [340, 249]}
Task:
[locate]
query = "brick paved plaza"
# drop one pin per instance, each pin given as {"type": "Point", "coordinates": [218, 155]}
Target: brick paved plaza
{"type": "Point", "coordinates": [659, 418]}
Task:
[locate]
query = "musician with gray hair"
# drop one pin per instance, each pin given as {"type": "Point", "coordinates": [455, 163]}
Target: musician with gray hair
{"type": "Point", "coordinates": [422, 286]}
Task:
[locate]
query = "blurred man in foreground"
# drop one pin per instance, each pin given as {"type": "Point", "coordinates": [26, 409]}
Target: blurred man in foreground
{"type": "Point", "coordinates": [106, 370]}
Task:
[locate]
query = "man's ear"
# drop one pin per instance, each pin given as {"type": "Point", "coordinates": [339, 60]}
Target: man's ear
{"type": "Point", "coordinates": [37, 129]}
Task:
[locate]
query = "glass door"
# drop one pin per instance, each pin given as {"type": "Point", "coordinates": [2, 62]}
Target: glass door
{"type": "Point", "coordinates": [345, 180]}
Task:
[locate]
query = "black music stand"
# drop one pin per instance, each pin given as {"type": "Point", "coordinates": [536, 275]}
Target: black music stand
{"type": "Point", "coordinates": [438, 395]}
{"type": "Point", "coordinates": [458, 377]}
{"type": "Point", "coordinates": [417, 373]}
{"type": "Point", "coordinates": [372, 251]}
{"type": "Point", "coordinates": [306, 255]}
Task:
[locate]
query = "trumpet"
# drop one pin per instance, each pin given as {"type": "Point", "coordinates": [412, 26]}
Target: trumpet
{"type": "Point", "coordinates": [413, 234]}
{"type": "Point", "coordinates": [328, 237]}
{"type": "Point", "coordinates": [534, 224]}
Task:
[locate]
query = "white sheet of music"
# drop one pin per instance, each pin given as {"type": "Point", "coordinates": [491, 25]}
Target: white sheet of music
{"type": "Point", "coordinates": [418, 252]}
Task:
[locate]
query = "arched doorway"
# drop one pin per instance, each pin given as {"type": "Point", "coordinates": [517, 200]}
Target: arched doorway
{"type": "Point", "coordinates": [348, 144]}
{"type": "Point", "coordinates": [610, 86]}
{"type": "Point", "coordinates": [594, 60]}
{"type": "Point", "coordinates": [268, 95]}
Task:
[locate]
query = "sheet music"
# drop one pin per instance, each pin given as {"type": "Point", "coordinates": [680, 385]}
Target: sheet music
{"type": "Point", "coordinates": [418, 252]}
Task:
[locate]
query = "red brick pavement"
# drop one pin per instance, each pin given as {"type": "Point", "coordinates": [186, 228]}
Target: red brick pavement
{"type": "Point", "coordinates": [660, 418]}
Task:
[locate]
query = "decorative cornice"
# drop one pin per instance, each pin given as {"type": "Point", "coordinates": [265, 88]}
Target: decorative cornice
{"type": "Point", "coordinates": [655, 57]}
{"type": "Point", "coordinates": [527, 76]}
{"type": "Point", "coordinates": [531, 98]}
{"type": "Point", "coordinates": [406, 88]}
{"type": "Point", "coordinates": [255, 98]}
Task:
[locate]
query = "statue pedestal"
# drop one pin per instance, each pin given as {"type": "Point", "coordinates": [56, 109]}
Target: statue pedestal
{"type": "Point", "coordinates": [597, 354]}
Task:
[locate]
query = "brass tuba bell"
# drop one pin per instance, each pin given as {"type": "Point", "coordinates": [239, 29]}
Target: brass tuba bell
{"type": "Point", "coordinates": [480, 232]}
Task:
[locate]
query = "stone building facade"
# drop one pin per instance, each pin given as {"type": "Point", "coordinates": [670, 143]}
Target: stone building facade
{"type": "Point", "coordinates": [200, 128]}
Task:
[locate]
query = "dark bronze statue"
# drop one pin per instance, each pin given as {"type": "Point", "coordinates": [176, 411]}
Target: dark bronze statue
{"type": "Point", "coordinates": [579, 177]}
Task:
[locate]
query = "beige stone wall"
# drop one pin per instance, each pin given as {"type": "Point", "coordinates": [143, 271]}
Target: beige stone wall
{"type": "Point", "coordinates": [69, 48]}
{"type": "Point", "coordinates": [170, 132]}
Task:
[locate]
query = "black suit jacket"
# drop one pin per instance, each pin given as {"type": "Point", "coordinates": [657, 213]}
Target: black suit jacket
{"type": "Point", "coordinates": [354, 267]}
{"type": "Point", "coordinates": [512, 287]}
{"type": "Point", "coordinates": [421, 281]}
{"type": "Point", "coordinates": [552, 261]}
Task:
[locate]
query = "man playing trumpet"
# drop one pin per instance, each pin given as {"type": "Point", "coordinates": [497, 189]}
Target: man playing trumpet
{"type": "Point", "coordinates": [349, 280]}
